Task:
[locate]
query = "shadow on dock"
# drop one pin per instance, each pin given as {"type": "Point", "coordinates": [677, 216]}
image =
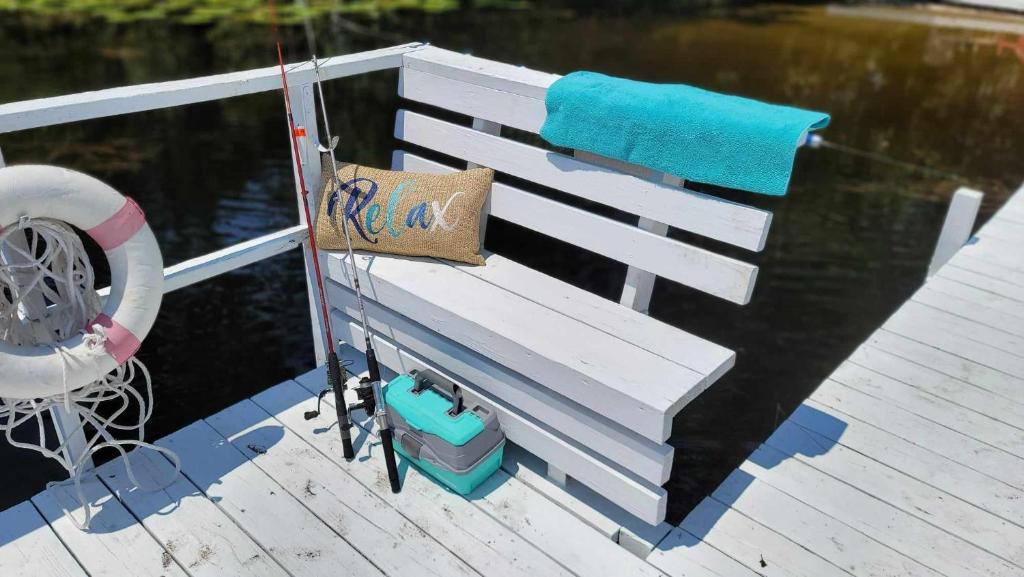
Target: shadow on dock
{"type": "Point", "coordinates": [816, 435]}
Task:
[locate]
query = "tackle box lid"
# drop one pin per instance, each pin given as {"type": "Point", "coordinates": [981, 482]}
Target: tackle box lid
{"type": "Point", "coordinates": [428, 412]}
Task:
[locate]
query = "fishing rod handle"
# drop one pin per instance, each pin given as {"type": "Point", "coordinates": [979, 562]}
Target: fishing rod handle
{"type": "Point", "coordinates": [387, 440]}
{"type": "Point", "coordinates": [336, 379]}
{"type": "Point", "coordinates": [371, 362]}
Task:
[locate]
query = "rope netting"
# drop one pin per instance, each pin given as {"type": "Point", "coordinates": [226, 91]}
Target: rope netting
{"type": "Point", "coordinates": [47, 295]}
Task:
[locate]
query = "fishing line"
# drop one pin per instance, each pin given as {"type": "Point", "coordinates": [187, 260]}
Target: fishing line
{"type": "Point", "coordinates": [815, 141]}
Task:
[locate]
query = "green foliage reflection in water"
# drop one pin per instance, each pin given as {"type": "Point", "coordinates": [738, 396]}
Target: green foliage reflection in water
{"type": "Point", "coordinates": [251, 11]}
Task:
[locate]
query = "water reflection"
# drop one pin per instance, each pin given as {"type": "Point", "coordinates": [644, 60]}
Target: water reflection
{"type": "Point", "coordinates": [848, 244]}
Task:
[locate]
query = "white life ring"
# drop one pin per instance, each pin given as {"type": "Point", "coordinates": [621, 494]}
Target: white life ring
{"type": "Point", "coordinates": [118, 225]}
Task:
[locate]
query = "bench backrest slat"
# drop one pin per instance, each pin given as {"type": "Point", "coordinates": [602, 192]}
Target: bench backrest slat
{"type": "Point", "coordinates": [503, 95]}
{"type": "Point", "coordinates": [677, 261]}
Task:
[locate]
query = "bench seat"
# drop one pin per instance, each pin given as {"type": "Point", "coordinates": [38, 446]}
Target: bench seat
{"type": "Point", "coordinates": [527, 331]}
{"type": "Point", "coordinates": [596, 382]}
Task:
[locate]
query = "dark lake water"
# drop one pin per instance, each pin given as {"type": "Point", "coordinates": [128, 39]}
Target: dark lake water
{"type": "Point", "coordinates": [848, 244]}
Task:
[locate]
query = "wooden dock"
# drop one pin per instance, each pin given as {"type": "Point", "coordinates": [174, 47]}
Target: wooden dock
{"type": "Point", "coordinates": [907, 460]}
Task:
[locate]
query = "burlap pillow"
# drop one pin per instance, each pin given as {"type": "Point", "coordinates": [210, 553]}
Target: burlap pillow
{"type": "Point", "coordinates": [406, 213]}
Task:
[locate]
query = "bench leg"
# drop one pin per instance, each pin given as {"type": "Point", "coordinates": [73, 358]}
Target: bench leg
{"type": "Point", "coordinates": [557, 475]}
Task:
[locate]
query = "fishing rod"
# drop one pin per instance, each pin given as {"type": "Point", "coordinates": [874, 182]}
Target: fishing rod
{"type": "Point", "coordinates": [335, 377]}
{"type": "Point", "coordinates": [369, 389]}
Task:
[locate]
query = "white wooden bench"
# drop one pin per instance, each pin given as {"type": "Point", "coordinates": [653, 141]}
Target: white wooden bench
{"type": "Point", "coordinates": [588, 385]}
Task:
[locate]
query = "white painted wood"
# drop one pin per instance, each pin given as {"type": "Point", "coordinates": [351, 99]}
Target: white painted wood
{"type": "Point", "coordinates": [207, 266]}
{"type": "Point", "coordinates": [487, 73]}
{"type": "Point", "coordinates": [978, 307]}
{"type": "Point", "coordinates": [932, 436]}
{"type": "Point", "coordinates": [958, 336]}
{"type": "Point", "coordinates": [474, 536]}
{"type": "Point", "coordinates": [628, 244]}
{"type": "Point", "coordinates": [604, 516]}
{"type": "Point", "coordinates": [993, 268]}
{"type": "Point", "coordinates": [193, 531]}
{"type": "Point", "coordinates": [498, 106]}
{"type": "Point", "coordinates": [681, 554]}
{"type": "Point", "coordinates": [115, 101]}
{"type": "Point", "coordinates": [978, 296]}
{"type": "Point", "coordinates": [639, 390]}
{"type": "Point", "coordinates": [935, 469]}
{"type": "Point", "coordinates": [808, 527]}
{"type": "Point", "coordinates": [755, 546]}
{"type": "Point", "coordinates": [273, 518]}
{"type": "Point", "coordinates": [641, 457]}
{"type": "Point", "coordinates": [699, 213]}
{"type": "Point", "coordinates": [930, 382]}
{"type": "Point", "coordinates": [1002, 384]}
{"type": "Point", "coordinates": [563, 537]}
{"type": "Point", "coordinates": [645, 500]}
{"type": "Point", "coordinates": [875, 517]}
{"type": "Point", "coordinates": [974, 424]}
{"type": "Point", "coordinates": [116, 544]}
{"type": "Point", "coordinates": [639, 284]}
{"type": "Point", "coordinates": [303, 106]}
{"type": "Point", "coordinates": [390, 541]}
{"type": "Point", "coordinates": [856, 487]}
{"type": "Point", "coordinates": [956, 229]}
{"type": "Point", "coordinates": [994, 285]}
{"type": "Point", "coordinates": [29, 548]}
{"type": "Point", "coordinates": [487, 127]}
{"type": "Point", "coordinates": [998, 253]}
{"type": "Point", "coordinates": [660, 338]}
{"type": "Point", "coordinates": [68, 428]}
{"type": "Point", "coordinates": [556, 476]}
{"type": "Point", "coordinates": [527, 468]}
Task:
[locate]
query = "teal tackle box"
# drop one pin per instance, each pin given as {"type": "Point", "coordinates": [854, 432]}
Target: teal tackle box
{"type": "Point", "coordinates": [458, 443]}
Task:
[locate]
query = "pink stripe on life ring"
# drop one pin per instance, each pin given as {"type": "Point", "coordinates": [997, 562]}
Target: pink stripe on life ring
{"type": "Point", "coordinates": [121, 343]}
{"type": "Point", "coordinates": [117, 229]}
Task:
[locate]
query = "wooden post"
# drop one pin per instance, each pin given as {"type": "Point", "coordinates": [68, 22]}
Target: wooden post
{"type": "Point", "coordinates": [956, 230]}
{"type": "Point", "coordinates": [639, 285]}
{"type": "Point", "coordinates": [304, 112]}
{"type": "Point", "coordinates": [487, 127]}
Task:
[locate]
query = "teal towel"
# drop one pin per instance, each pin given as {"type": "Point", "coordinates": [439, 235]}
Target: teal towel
{"type": "Point", "coordinates": [678, 129]}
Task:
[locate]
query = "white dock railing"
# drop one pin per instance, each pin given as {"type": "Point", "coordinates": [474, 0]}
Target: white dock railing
{"type": "Point", "coordinates": [56, 110]}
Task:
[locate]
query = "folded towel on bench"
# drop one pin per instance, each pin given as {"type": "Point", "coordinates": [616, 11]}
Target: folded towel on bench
{"type": "Point", "coordinates": [678, 129]}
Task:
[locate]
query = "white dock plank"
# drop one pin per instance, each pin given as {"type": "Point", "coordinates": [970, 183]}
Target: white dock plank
{"type": "Point", "coordinates": [280, 524]}
{"type": "Point", "coordinates": [116, 544]}
{"type": "Point", "coordinates": [29, 548]}
{"type": "Point", "coordinates": [925, 544]}
{"type": "Point", "coordinates": [834, 541]}
{"type": "Point", "coordinates": [973, 424]}
{"type": "Point", "coordinates": [681, 554]}
{"type": "Point", "coordinates": [390, 541]}
{"type": "Point", "coordinates": [914, 316]}
{"type": "Point", "coordinates": [953, 338]}
{"type": "Point", "coordinates": [953, 271]}
{"type": "Point", "coordinates": [934, 468]}
{"type": "Point", "coordinates": [197, 534]}
{"type": "Point", "coordinates": [759, 548]}
{"type": "Point", "coordinates": [983, 307]}
{"type": "Point", "coordinates": [935, 437]}
{"type": "Point", "coordinates": [478, 539]}
{"type": "Point", "coordinates": [882, 488]}
{"type": "Point", "coordinates": [935, 383]}
{"type": "Point", "coordinates": [1002, 384]}
{"type": "Point", "coordinates": [554, 530]}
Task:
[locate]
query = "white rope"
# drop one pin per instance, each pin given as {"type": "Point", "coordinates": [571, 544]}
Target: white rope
{"type": "Point", "coordinates": [47, 295]}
